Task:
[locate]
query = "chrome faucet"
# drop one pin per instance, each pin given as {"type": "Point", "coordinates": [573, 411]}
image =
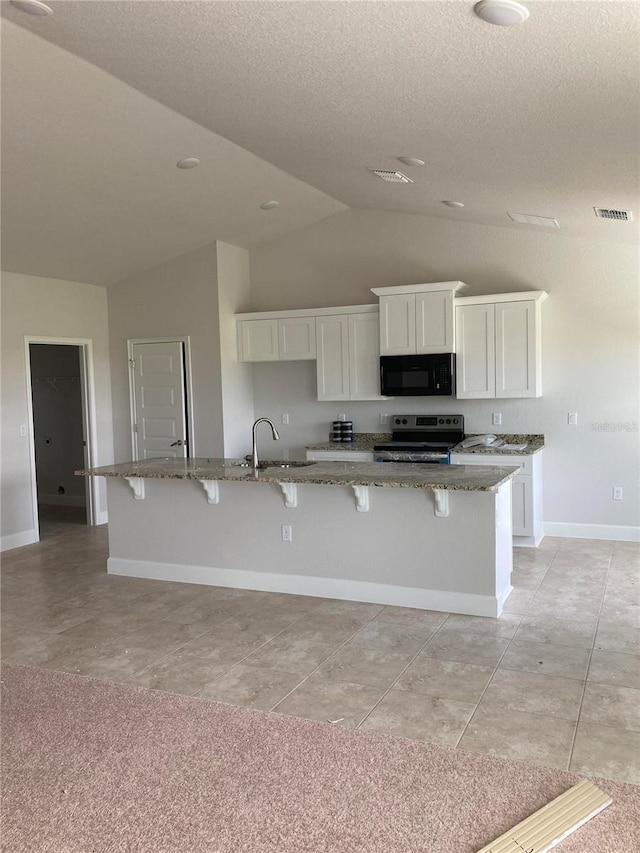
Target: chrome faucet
{"type": "Point", "coordinates": [274, 433]}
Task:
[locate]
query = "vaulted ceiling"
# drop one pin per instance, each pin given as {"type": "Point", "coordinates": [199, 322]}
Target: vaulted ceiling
{"type": "Point", "coordinates": [297, 101]}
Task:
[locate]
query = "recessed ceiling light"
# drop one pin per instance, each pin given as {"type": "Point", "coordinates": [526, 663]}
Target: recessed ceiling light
{"type": "Point", "coordinates": [502, 13]}
{"type": "Point", "coordinates": [411, 161]}
{"type": "Point", "coordinates": [453, 203]}
{"type": "Point", "coordinates": [32, 7]}
{"type": "Point", "coordinates": [269, 205]}
{"type": "Point", "coordinates": [188, 163]}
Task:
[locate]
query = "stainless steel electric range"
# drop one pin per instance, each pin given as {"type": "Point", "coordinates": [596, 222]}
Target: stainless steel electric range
{"type": "Point", "coordinates": [421, 438]}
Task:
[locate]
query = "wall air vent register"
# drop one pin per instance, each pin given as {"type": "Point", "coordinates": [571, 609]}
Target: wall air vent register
{"type": "Point", "coordinates": [609, 213]}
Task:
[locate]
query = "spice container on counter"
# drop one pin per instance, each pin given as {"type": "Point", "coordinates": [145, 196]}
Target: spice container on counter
{"type": "Point", "coordinates": [336, 432]}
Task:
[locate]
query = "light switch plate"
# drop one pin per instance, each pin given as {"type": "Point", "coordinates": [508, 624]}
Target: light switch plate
{"type": "Point", "coordinates": [572, 418]}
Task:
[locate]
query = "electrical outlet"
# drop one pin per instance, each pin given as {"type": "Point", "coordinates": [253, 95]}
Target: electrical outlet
{"type": "Point", "coordinates": [342, 416]}
{"type": "Point", "coordinates": [287, 533]}
{"type": "Point", "coordinates": [285, 417]}
{"type": "Point", "coordinates": [617, 493]}
{"type": "Point", "coordinates": [496, 419]}
{"type": "Point", "coordinates": [384, 419]}
{"type": "Point", "coordinates": [572, 418]}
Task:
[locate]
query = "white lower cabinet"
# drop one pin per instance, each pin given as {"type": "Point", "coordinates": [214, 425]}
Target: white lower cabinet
{"type": "Point", "coordinates": [348, 356]}
{"type": "Point", "coordinates": [526, 491]}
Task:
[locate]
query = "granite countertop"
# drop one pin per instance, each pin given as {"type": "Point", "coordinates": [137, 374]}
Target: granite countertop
{"type": "Point", "coordinates": [535, 443]}
{"type": "Point", "coordinates": [366, 440]}
{"type": "Point", "coordinates": [469, 478]}
{"type": "Point", "coordinates": [361, 441]}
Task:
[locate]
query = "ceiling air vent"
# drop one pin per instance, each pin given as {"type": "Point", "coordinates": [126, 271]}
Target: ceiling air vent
{"type": "Point", "coordinates": [393, 177]}
{"type": "Point", "coordinates": [609, 213]}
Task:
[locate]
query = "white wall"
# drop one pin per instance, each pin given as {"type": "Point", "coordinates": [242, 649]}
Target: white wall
{"type": "Point", "coordinates": [236, 377]}
{"type": "Point", "coordinates": [175, 299]}
{"type": "Point", "coordinates": [591, 340]}
{"type": "Point", "coordinates": [34, 306]}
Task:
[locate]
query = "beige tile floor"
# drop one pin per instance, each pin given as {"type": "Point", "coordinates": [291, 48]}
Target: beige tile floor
{"type": "Point", "coordinates": [555, 680]}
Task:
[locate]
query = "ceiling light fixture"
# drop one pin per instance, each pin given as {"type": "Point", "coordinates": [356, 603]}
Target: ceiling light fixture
{"type": "Point", "coordinates": [392, 177]}
{"type": "Point", "coordinates": [502, 13]}
{"type": "Point", "coordinates": [33, 7]}
{"type": "Point", "coordinates": [411, 161]}
{"type": "Point", "coordinates": [531, 219]}
{"type": "Point", "coordinates": [269, 205]}
{"type": "Point", "coordinates": [188, 163]}
{"type": "Point", "coordinates": [453, 203]}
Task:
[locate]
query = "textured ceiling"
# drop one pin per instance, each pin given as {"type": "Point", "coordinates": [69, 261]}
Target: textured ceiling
{"type": "Point", "coordinates": [542, 118]}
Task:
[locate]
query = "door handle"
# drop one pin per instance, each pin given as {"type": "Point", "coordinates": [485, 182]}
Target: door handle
{"type": "Point", "coordinates": [177, 443]}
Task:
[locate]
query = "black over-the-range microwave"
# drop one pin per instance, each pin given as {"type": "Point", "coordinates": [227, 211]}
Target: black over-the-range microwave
{"type": "Point", "coordinates": [429, 375]}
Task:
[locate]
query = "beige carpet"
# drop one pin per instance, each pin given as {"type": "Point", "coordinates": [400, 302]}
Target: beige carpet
{"type": "Point", "coordinates": [90, 766]}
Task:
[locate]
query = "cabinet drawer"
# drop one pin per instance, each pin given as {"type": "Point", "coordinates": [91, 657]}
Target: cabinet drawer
{"type": "Point", "coordinates": [525, 463]}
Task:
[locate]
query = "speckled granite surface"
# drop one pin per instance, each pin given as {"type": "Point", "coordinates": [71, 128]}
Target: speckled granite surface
{"type": "Point", "coordinates": [361, 441]}
{"type": "Point", "coordinates": [535, 443]}
{"type": "Point", "coordinates": [468, 478]}
{"type": "Point", "coordinates": [366, 440]}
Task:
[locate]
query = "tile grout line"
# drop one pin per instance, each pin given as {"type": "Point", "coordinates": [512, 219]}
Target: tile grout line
{"type": "Point", "coordinates": [591, 650]}
{"type": "Point", "coordinates": [322, 663]}
{"type": "Point", "coordinates": [497, 666]}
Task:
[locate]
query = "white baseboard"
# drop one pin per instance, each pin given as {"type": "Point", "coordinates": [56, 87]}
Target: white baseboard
{"type": "Point", "coordinates": [612, 532]}
{"type": "Point", "coordinates": [17, 540]}
{"type": "Point", "coordinates": [62, 500]}
{"type": "Point", "coordinates": [349, 590]}
{"type": "Point", "coordinates": [103, 517]}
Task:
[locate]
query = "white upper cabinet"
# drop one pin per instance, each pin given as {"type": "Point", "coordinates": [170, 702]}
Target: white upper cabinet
{"type": "Point", "coordinates": [332, 339]}
{"type": "Point", "coordinates": [499, 346]}
{"type": "Point", "coordinates": [475, 358]}
{"type": "Point", "coordinates": [297, 338]}
{"type": "Point", "coordinates": [417, 318]}
{"type": "Point", "coordinates": [398, 324]}
{"type": "Point", "coordinates": [290, 338]}
{"type": "Point", "coordinates": [348, 363]}
{"type": "Point", "coordinates": [258, 340]}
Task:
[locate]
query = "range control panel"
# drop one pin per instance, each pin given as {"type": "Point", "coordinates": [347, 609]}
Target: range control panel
{"type": "Point", "coordinates": [427, 423]}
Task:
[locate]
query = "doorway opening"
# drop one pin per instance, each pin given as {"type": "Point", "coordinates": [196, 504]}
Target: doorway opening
{"type": "Point", "coordinates": [60, 435]}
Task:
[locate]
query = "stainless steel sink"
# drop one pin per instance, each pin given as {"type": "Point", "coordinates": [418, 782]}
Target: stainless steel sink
{"type": "Point", "coordinates": [281, 463]}
{"type": "Point", "coordinates": [268, 463]}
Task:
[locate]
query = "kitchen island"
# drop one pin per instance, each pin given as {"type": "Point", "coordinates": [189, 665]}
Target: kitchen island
{"type": "Point", "coordinates": [433, 537]}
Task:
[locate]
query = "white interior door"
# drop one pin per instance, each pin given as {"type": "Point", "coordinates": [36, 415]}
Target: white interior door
{"type": "Point", "coordinates": [159, 399]}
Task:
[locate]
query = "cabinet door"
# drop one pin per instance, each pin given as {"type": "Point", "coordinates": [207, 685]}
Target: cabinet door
{"type": "Point", "coordinates": [434, 322]}
{"type": "Point", "coordinates": [398, 324]}
{"type": "Point", "coordinates": [475, 358]}
{"type": "Point", "coordinates": [517, 349]}
{"type": "Point", "coordinates": [364, 357]}
{"type": "Point", "coordinates": [297, 338]}
{"type": "Point", "coordinates": [258, 340]}
{"type": "Point", "coordinates": [522, 505]}
{"type": "Point", "coordinates": [332, 342]}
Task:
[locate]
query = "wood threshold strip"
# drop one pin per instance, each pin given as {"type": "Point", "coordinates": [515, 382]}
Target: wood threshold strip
{"type": "Point", "coordinates": [554, 822]}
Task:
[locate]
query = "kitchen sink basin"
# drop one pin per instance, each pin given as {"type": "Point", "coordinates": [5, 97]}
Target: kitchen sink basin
{"type": "Point", "coordinates": [269, 463]}
{"type": "Point", "coordinates": [281, 463]}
